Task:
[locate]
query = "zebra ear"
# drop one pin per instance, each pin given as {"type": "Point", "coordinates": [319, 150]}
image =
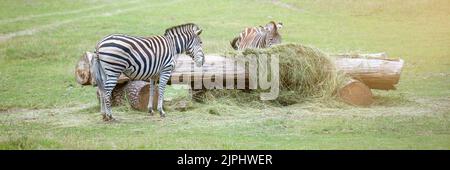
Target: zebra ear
{"type": "Point", "coordinates": [270, 26]}
{"type": "Point", "coordinates": [198, 32]}
{"type": "Point", "coordinates": [279, 26]}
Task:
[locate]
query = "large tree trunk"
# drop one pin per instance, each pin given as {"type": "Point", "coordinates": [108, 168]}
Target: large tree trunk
{"type": "Point", "coordinates": [375, 70]}
{"type": "Point", "coordinates": [376, 73]}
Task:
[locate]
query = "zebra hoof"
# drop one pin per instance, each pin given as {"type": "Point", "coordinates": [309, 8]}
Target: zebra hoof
{"type": "Point", "coordinates": [151, 112]}
{"type": "Point", "coordinates": [108, 118]}
{"type": "Point", "coordinates": [162, 114]}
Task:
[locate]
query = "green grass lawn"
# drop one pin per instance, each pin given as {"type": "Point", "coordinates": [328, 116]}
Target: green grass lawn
{"type": "Point", "coordinates": [42, 107]}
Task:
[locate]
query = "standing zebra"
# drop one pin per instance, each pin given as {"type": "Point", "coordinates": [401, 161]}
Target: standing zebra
{"type": "Point", "coordinates": [143, 59]}
{"type": "Point", "coordinates": [258, 37]}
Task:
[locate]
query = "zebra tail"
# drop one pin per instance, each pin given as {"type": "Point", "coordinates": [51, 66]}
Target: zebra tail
{"type": "Point", "coordinates": [99, 74]}
{"type": "Point", "coordinates": [234, 43]}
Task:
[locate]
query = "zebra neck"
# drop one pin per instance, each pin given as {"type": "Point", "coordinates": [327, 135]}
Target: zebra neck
{"type": "Point", "coordinates": [178, 43]}
{"type": "Point", "coordinates": [261, 40]}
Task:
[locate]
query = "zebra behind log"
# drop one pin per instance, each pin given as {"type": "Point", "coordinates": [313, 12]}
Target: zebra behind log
{"type": "Point", "coordinates": [258, 37]}
{"type": "Point", "coordinates": [143, 59]}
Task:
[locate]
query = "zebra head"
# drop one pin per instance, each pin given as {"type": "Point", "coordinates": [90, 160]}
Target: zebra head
{"type": "Point", "coordinates": [187, 39]}
{"type": "Point", "coordinates": [194, 47]}
{"type": "Point", "coordinates": [272, 35]}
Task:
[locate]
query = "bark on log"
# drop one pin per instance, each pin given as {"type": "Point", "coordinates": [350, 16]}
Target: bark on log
{"type": "Point", "coordinates": [381, 74]}
{"type": "Point", "coordinates": [356, 93]}
{"type": "Point", "coordinates": [118, 95]}
{"type": "Point", "coordinates": [137, 93]}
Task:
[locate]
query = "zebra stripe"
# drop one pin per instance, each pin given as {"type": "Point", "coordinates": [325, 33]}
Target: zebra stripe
{"type": "Point", "coordinates": [143, 59]}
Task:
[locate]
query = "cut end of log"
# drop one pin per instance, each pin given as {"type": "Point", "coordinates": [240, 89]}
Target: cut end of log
{"type": "Point", "coordinates": [83, 73]}
{"type": "Point", "coordinates": [356, 93]}
{"type": "Point", "coordinates": [142, 97]}
{"type": "Point", "coordinates": [83, 69]}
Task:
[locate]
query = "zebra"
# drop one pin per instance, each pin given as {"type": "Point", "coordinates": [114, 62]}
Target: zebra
{"type": "Point", "coordinates": [143, 58]}
{"type": "Point", "coordinates": [258, 37]}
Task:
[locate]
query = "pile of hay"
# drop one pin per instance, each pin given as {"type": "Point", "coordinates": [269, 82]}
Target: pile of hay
{"type": "Point", "coordinates": [305, 72]}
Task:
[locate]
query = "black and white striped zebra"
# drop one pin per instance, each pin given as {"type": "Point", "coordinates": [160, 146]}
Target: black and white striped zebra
{"type": "Point", "coordinates": [143, 59]}
{"type": "Point", "coordinates": [258, 37]}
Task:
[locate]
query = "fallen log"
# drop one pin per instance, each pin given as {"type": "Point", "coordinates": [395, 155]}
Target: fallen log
{"type": "Point", "coordinates": [374, 70]}
{"type": "Point", "coordinates": [356, 93]}
{"type": "Point", "coordinates": [217, 71]}
{"type": "Point", "coordinates": [376, 73]}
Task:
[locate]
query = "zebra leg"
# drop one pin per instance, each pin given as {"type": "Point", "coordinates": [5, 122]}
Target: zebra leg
{"type": "Point", "coordinates": [108, 113]}
{"type": "Point", "coordinates": [102, 103]}
{"type": "Point", "coordinates": [150, 98]}
{"type": "Point", "coordinates": [163, 78]}
{"type": "Point", "coordinates": [110, 83]}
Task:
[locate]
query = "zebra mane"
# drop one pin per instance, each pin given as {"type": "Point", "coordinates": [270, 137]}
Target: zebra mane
{"type": "Point", "coordinates": [192, 25]}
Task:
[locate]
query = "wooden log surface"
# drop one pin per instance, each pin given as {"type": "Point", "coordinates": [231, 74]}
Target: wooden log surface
{"type": "Point", "coordinates": [375, 70]}
{"type": "Point", "coordinates": [137, 94]}
{"type": "Point", "coordinates": [227, 69]}
{"type": "Point", "coordinates": [356, 93]}
{"type": "Point", "coordinates": [381, 55]}
{"type": "Point", "coordinates": [381, 74]}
